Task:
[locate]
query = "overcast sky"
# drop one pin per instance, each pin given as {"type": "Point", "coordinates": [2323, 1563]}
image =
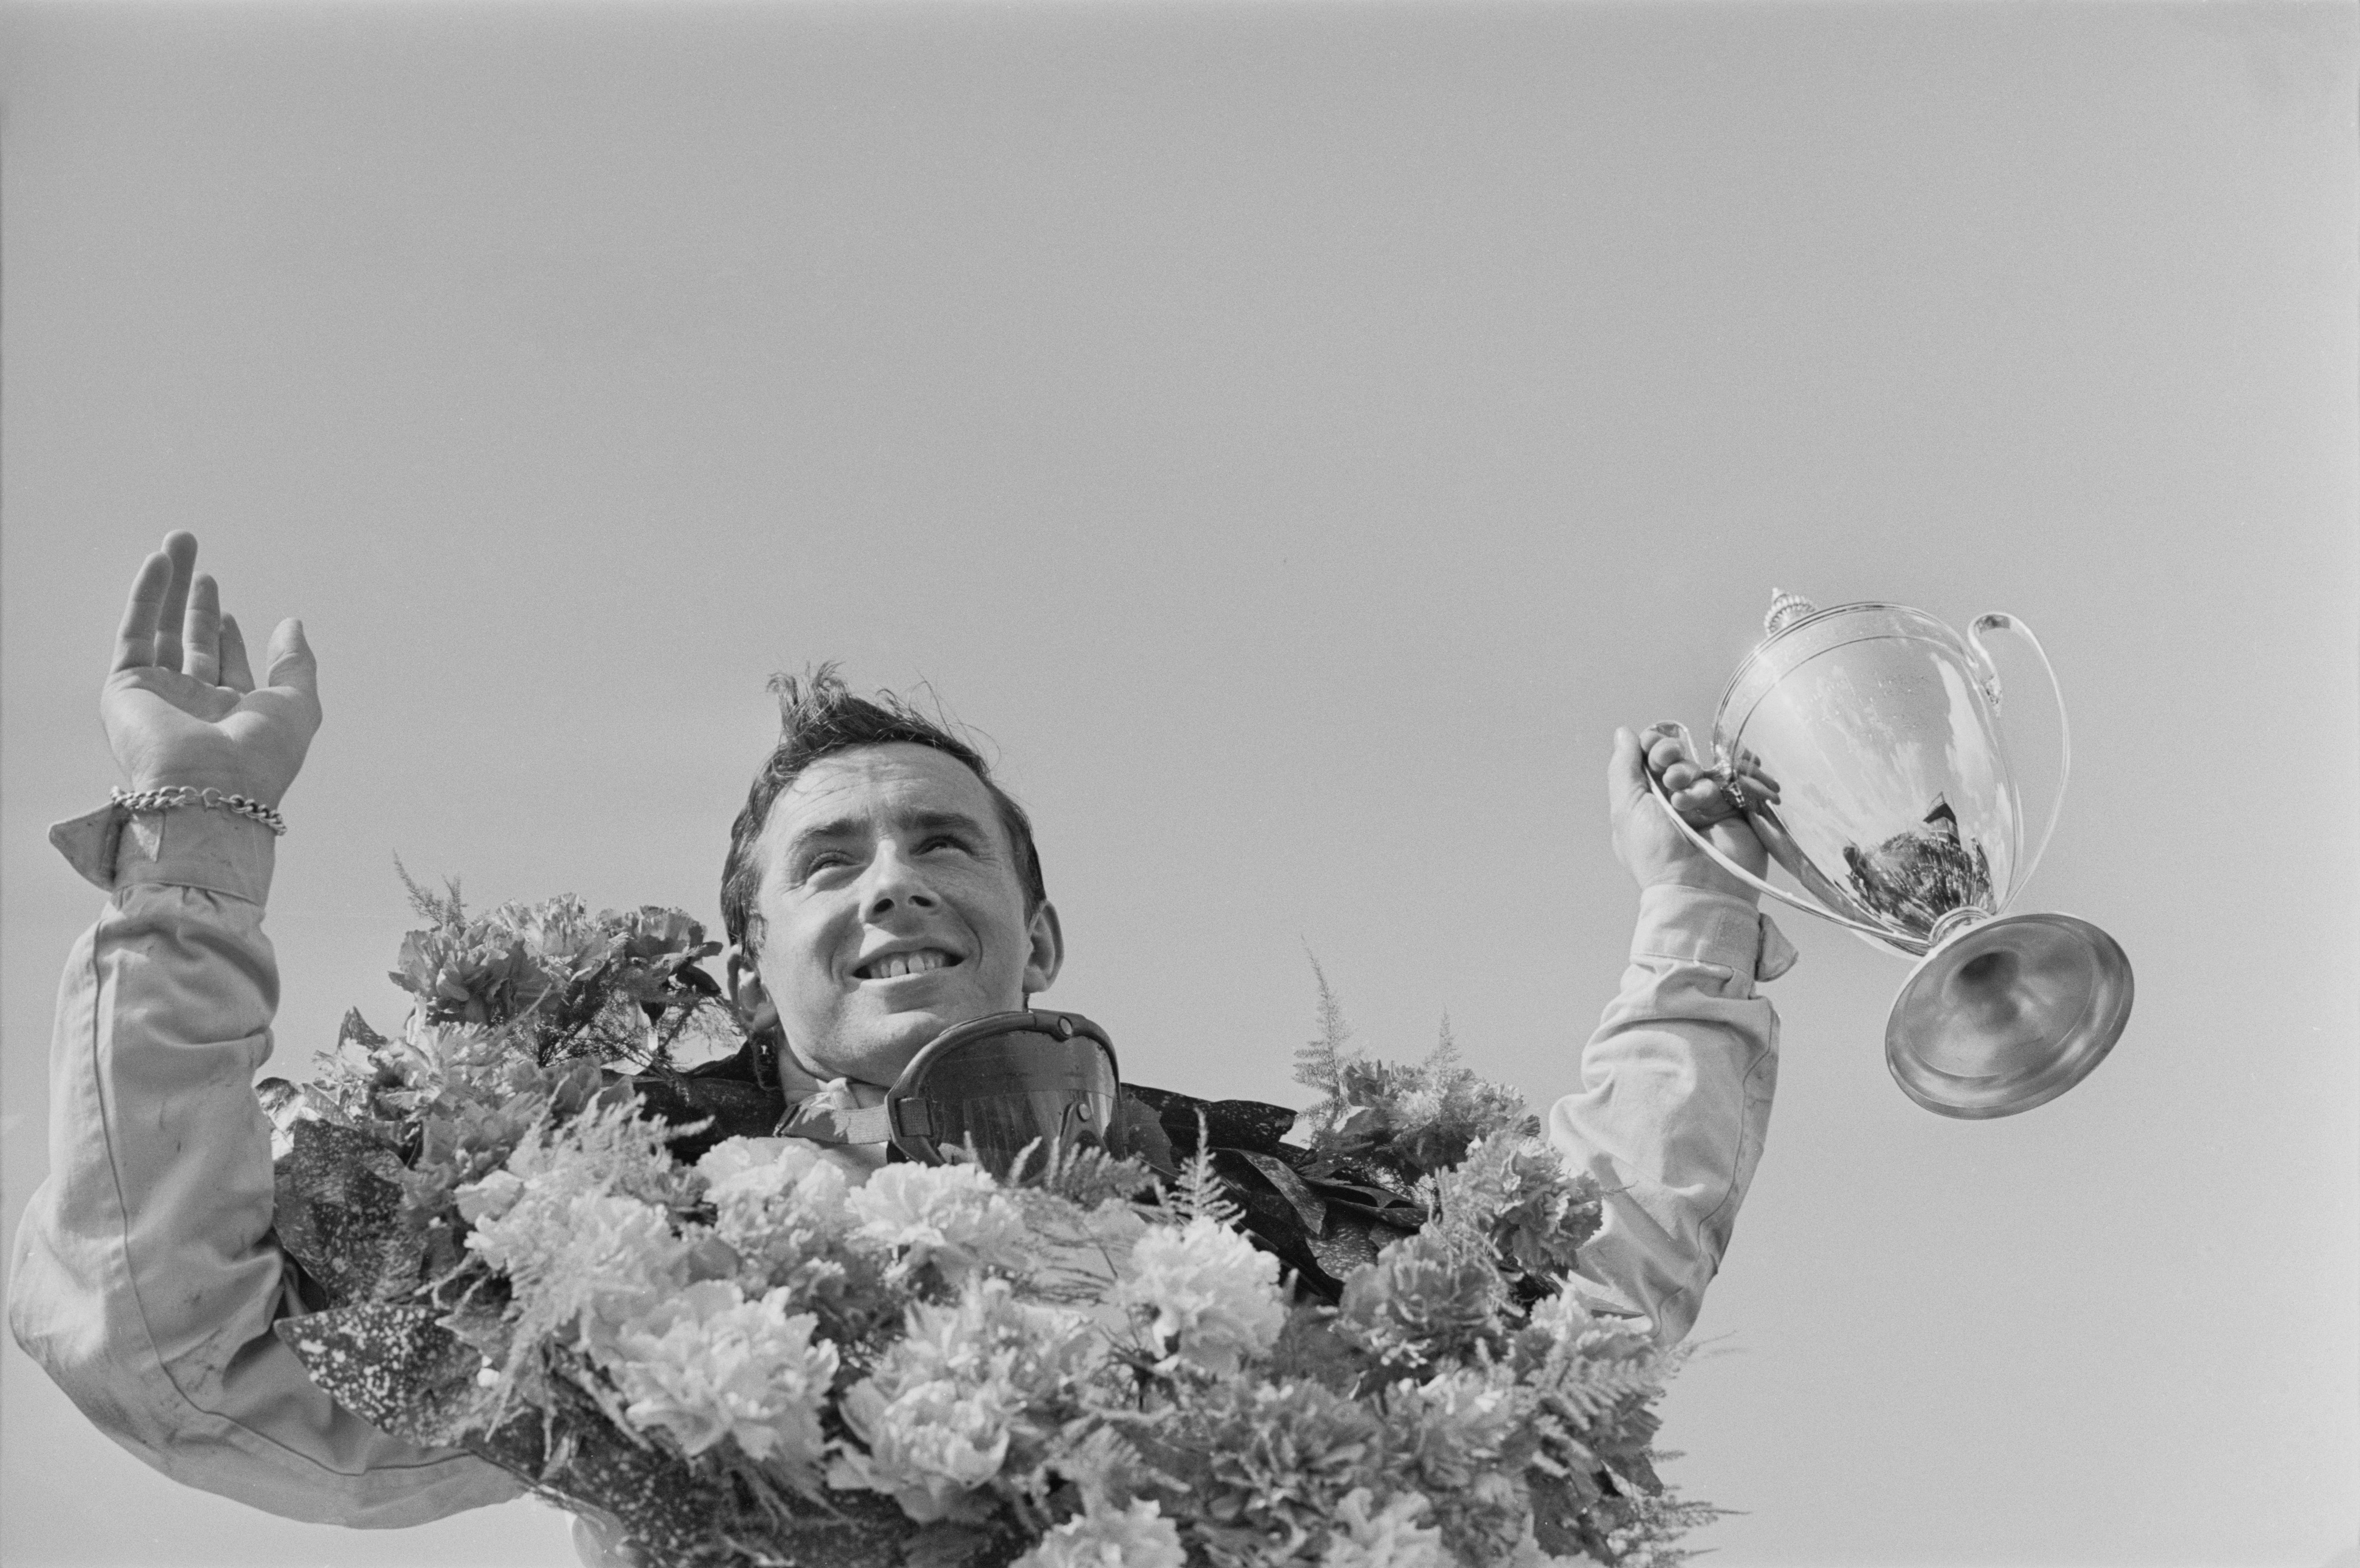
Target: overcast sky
{"type": "Point", "coordinates": [1297, 434]}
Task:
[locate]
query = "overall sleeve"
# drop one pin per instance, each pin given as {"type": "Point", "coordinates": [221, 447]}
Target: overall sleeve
{"type": "Point", "coordinates": [146, 1276]}
{"type": "Point", "coordinates": [1673, 1103]}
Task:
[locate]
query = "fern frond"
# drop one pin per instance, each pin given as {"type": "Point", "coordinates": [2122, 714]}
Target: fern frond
{"type": "Point", "coordinates": [446, 908]}
{"type": "Point", "coordinates": [1442, 1066]}
{"type": "Point", "coordinates": [1198, 1193]}
{"type": "Point", "coordinates": [1319, 1064]}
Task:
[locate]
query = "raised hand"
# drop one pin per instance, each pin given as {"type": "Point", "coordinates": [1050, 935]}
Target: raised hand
{"type": "Point", "coordinates": [1646, 841]}
{"type": "Point", "coordinates": [180, 705]}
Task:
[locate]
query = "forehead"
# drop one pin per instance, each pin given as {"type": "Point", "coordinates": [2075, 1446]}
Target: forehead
{"type": "Point", "coordinates": [871, 787]}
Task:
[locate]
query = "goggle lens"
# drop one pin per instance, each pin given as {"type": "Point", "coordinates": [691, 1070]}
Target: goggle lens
{"type": "Point", "coordinates": [1004, 1091]}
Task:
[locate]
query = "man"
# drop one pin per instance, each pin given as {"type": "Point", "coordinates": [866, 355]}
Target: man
{"type": "Point", "coordinates": [879, 888]}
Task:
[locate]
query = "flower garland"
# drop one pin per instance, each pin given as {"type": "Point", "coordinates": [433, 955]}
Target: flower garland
{"type": "Point", "coordinates": [525, 1232]}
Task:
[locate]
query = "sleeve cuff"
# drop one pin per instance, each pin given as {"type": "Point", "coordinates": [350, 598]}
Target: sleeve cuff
{"type": "Point", "coordinates": [1689, 925]}
{"type": "Point", "coordinates": [219, 852]}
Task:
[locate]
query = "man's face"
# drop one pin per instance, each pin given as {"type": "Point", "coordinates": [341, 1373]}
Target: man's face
{"type": "Point", "coordinates": [892, 908]}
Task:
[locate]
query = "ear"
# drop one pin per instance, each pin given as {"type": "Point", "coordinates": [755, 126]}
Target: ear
{"type": "Point", "coordinates": [1048, 954]}
{"type": "Point", "coordinates": [756, 1014]}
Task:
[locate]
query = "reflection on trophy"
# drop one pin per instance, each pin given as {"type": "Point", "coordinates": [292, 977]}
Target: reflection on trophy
{"type": "Point", "coordinates": [1861, 743]}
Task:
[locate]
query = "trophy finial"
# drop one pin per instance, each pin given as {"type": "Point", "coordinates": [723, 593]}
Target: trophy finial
{"type": "Point", "coordinates": [1785, 609]}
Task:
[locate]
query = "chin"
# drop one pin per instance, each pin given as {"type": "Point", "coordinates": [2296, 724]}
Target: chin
{"type": "Point", "coordinates": [886, 1045]}
{"type": "Point", "coordinates": [879, 1058]}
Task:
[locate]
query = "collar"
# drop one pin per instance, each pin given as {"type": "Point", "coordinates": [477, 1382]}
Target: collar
{"type": "Point", "coordinates": [836, 1111]}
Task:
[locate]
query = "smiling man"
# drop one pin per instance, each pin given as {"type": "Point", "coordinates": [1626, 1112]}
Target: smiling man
{"type": "Point", "coordinates": [879, 889]}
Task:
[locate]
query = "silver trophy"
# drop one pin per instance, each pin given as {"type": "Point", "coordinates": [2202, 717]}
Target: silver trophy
{"type": "Point", "coordinates": [1863, 745]}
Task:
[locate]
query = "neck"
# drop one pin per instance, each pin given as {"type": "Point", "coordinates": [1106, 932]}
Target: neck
{"type": "Point", "coordinates": [797, 1082]}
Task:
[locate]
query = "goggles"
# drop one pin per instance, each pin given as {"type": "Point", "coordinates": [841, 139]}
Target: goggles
{"type": "Point", "coordinates": [1002, 1083]}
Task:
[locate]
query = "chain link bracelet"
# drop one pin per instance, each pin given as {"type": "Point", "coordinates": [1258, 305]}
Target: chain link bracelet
{"type": "Point", "coordinates": [184, 795]}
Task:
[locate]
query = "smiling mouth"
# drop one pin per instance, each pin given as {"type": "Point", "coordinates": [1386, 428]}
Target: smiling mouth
{"type": "Point", "coordinates": [895, 965]}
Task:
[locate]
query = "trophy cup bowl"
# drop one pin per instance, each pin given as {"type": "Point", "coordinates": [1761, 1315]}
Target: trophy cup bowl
{"type": "Point", "coordinates": [1861, 743]}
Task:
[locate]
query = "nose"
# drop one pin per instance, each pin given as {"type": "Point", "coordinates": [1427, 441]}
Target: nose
{"type": "Point", "coordinates": [893, 879]}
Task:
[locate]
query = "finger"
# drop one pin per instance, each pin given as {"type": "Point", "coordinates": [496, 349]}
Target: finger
{"type": "Point", "coordinates": [235, 672]}
{"type": "Point", "coordinates": [1680, 775]}
{"type": "Point", "coordinates": [289, 661]}
{"type": "Point", "coordinates": [1664, 753]}
{"type": "Point", "coordinates": [1749, 773]}
{"type": "Point", "coordinates": [200, 632]}
{"type": "Point", "coordinates": [1704, 801]}
{"type": "Point", "coordinates": [181, 548]}
{"type": "Point", "coordinates": [1659, 736]}
{"type": "Point", "coordinates": [135, 640]}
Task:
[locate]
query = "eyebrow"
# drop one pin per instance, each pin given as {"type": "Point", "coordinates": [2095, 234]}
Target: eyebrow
{"type": "Point", "coordinates": [836, 829]}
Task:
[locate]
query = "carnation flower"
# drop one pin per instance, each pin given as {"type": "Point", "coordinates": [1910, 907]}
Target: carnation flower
{"type": "Point", "coordinates": [1136, 1537]}
{"type": "Point", "coordinates": [1434, 1296]}
{"type": "Point", "coordinates": [1388, 1537]}
{"type": "Point", "coordinates": [967, 1387]}
{"type": "Point", "coordinates": [710, 1365]}
{"type": "Point", "coordinates": [1518, 1190]}
{"type": "Point", "coordinates": [929, 1446]}
{"type": "Point", "coordinates": [952, 1217]}
{"type": "Point", "coordinates": [1214, 1299]}
{"type": "Point", "coordinates": [1267, 1458]}
{"type": "Point", "coordinates": [489, 1199]}
{"type": "Point", "coordinates": [781, 1207]}
{"type": "Point", "coordinates": [590, 1261]}
{"type": "Point", "coordinates": [779, 1160]}
{"type": "Point", "coordinates": [581, 1221]}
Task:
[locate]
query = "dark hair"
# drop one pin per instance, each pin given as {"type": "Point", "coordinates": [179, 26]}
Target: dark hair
{"type": "Point", "coordinates": [818, 717]}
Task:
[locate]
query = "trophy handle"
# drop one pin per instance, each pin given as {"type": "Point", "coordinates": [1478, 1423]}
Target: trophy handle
{"type": "Point", "coordinates": [1996, 621]}
{"type": "Point", "coordinates": [1876, 934]}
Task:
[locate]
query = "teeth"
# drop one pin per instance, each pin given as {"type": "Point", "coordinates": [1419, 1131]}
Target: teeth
{"type": "Point", "coordinates": [900, 964]}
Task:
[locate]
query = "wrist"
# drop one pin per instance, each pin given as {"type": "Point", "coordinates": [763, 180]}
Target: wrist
{"type": "Point", "coordinates": [1704, 879]}
{"type": "Point", "coordinates": [227, 852]}
{"type": "Point", "coordinates": [189, 799]}
{"type": "Point", "coordinates": [222, 780]}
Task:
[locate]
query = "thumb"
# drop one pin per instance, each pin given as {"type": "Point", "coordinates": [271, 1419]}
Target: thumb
{"type": "Point", "coordinates": [1626, 771]}
{"type": "Point", "coordinates": [291, 661]}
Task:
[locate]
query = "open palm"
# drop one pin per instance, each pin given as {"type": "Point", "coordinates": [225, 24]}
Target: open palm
{"type": "Point", "coordinates": [180, 704]}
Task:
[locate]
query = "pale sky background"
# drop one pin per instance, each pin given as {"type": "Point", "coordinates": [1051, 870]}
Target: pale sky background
{"type": "Point", "coordinates": [1297, 434]}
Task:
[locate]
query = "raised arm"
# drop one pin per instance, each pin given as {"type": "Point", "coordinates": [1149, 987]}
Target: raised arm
{"type": "Point", "coordinates": [145, 1277]}
{"type": "Point", "coordinates": [1676, 1084]}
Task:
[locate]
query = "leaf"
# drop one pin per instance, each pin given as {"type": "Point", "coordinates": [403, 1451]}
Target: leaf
{"type": "Point", "coordinates": [1558, 1506]}
{"type": "Point", "coordinates": [662, 1504]}
{"type": "Point", "coordinates": [1227, 1124]}
{"type": "Point", "coordinates": [339, 1213]}
{"type": "Point", "coordinates": [1307, 1206]}
{"type": "Point", "coordinates": [1138, 1134]}
{"type": "Point", "coordinates": [1350, 1245]}
{"type": "Point", "coordinates": [945, 1545]}
{"type": "Point", "coordinates": [355, 1030]}
{"type": "Point", "coordinates": [395, 1367]}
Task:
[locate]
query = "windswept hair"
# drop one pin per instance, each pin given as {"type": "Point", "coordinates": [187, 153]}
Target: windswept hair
{"type": "Point", "coordinates": [819, 716]}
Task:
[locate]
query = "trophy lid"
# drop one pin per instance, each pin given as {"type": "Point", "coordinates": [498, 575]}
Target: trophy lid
{"type": "Point", "coordinates": [2008, 1015]}
{"type": "Point", "coordinates": [1785, 609]}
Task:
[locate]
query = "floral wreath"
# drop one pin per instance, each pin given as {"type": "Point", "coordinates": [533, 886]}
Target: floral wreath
{"type": "Point", "coordinates": [1240, 1336]}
